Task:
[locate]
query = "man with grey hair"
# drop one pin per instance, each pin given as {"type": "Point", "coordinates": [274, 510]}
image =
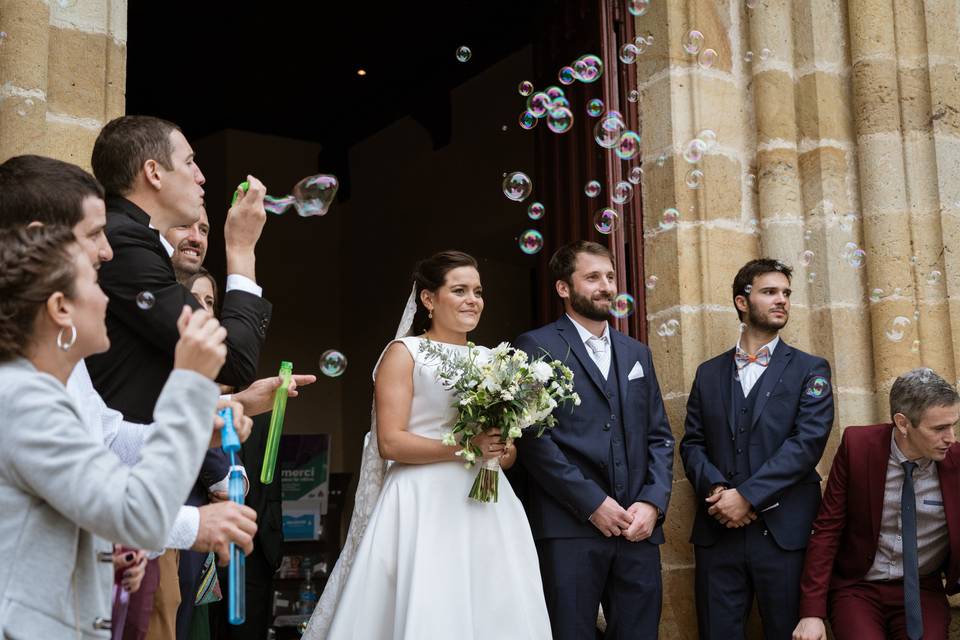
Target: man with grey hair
{"type": "Point", "coordinates": [888, 531]}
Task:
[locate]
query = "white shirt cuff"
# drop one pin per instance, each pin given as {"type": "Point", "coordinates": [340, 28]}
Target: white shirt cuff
{"type": "Point", "coordinates": [183, 535]}
{"type": "Point", "coordinates": [243, 283]}
{"type": "Point", "coordinates": [224, 485]}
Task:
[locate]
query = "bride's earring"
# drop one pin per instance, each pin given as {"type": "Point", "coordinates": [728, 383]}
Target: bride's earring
{"type": "Point", "coordinates": [65, 346]}
{"type": "Point", "coordinates": [430, 314]}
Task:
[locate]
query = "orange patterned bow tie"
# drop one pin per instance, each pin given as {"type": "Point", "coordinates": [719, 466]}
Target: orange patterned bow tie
{"type": "Point", "coordinates": [743, 358]}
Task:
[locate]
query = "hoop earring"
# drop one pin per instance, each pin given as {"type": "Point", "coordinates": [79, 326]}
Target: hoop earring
{"type": "Point", "coordinates": [65, 346]}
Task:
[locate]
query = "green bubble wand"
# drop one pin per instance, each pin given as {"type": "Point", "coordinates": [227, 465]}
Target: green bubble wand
{"type": "Point", "coordinates": [276, 423]}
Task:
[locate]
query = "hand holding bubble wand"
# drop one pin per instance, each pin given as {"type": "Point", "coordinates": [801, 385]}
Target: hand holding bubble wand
{"type": "Point", "coordinates": [230, 443]}
{"type": "Point", "coordinates": [312, 196]}
{"type": "Point", "coordinates": [276, 423]}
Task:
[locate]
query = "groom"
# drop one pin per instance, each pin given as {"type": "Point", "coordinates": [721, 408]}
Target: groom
{"type": "Point", "coordinates": [599, 482]}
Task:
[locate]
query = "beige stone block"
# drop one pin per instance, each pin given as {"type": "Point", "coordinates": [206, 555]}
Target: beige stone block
{"type": "Point", "coordinates": [945, 96]}
{"type": "Point", "coordinates": [23, 53]}
{"type": "Point", "coordinates": [911, 30]}
{"type": "Point", "coordinates": [720, 195]}
{"type": "Point", "coordinates": [942, 26]}
{"type": "Point", "coordinates": [871, 29]}
{"type": "Point", "coordinates": [824, 176]}
{"type": "Point", "coordinates": [915, 106]}
{"type": "Point", "coordinates": [876, 105]}
{"type": "Point", "coordinates": [779, 185]}
{"type": "Point", "coordinates": [774, 102]}
{"type": "Point", "coordinates": [22, 125]}
{"type": "Point", "coordinates": [77, 70]}
{"type": "Point", "coordinates": [882, 188]}
{"type": "Point", "coordinates": [656, 58]}
{"type": "Point", "coordinates": [679, 523]}
{"type": "Point", "coordinates": [678, 620]}
{"type": "Point", "coordinates": [116, 81]}
{"type": "Point", "coordinates": [69, 142]}
{"type": "Point", "coordinates": [820, 32]}
{"type": "Point", "coordinates": [823, 108]}
{"type": "Point", "coordinates": [771, 27]}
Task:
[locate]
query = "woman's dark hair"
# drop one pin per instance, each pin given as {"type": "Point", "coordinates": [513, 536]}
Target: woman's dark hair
{"type": "Point", "coordinates": [203, 273]}
{"type": "Point", "coordinates": [430, 274]}
{"type": "Point", "coordinates": [752, 270]}
{"type": "Point", "coordinates": [35, 188]}
{"type": "Point", "coordinates": [35, 263]}
{"type": "Point", "coordinates": [124, 145]}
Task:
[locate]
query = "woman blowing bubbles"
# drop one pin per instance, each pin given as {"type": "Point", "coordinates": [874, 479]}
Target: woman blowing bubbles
{"type": "Point", "coordinates": [60, 487]}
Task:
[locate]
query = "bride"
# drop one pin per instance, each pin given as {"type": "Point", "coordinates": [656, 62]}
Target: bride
{"type": "Point", "coordinates": [422, 561]}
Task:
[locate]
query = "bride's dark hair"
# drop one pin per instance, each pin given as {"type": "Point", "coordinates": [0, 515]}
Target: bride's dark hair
{"type": "Point", "coordinates": [431, 273]}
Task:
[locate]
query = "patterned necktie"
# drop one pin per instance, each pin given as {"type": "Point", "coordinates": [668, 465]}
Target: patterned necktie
{"type": "Point", "coordinates": [743, 358]}
{"type": "Point", "coordinates": [911, 566]}
{"type": "Point", "coordinates": [598, 345]}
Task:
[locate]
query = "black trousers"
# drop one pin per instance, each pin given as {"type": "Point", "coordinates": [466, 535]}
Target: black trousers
{"type": "Point", "coordinates": [742, 564]}
{"type": "Point", "coordinates": [581, 573]}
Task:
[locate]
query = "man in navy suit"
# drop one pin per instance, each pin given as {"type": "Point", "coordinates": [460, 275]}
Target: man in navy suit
{"type": "Point", "coordinates": [758, 418]}
{"type": "Point", "coordinates": [599, 482]}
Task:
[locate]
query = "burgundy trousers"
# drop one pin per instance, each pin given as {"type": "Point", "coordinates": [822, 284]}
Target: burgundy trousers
{"type": "Point", "coordinates": [141, 604]}
{"type": "Point", "coordinates": [874, 610]}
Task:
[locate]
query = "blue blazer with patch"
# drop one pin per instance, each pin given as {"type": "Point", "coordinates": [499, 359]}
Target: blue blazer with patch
{"type": "Point", "coordinates": [791, 423]}
{"type": "Point", "coordinates": [567, 467]}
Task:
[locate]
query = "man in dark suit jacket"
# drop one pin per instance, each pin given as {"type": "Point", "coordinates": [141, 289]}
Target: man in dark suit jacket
{"type": "Point", "coordinates": [881, 546]}
{"type": "Point", "coordinates": [600, 481]}
{"type": "Point", "coordinates": [152, 182]}
{"type": "Point", "coordinates": [758, 419]}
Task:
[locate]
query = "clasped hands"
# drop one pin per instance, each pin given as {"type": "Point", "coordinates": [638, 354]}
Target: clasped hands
{"type": "Point", "coordinates": [635, 523]}
{"type": "Point", "coordinates": [730, 508]}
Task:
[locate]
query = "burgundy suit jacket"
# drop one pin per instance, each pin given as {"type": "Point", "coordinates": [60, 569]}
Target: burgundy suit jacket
{"type": "Point", "coordinates": [847, 529]}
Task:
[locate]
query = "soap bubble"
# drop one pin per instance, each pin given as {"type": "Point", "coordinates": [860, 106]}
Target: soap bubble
{"type": "Point", "coordinates": [857, 258]}
{"type": "Point", "coordinates": [560, 119]}
{"type": "Point", "coordinates": [622, 192]}
{"type": "Point", "coordinates": [765, 53]}
{"type": "Point", "coordinates": [933, 277]}
{"type": "Point", "coordinates": [463, 54]}
{"type": "Point", "coordinates": [278, 205]}
{"type": "Point", "coordinates": [66, 4]}
{"type": "Point", "coordinates": [709, 137]}
{"type": "Point", "coordinates": [622, 306]}
{"type": "Point", "coordinates": [605, 220]}
{"type": "Point", "coordinates": [531, 241]}
{"type": "Point", "coordinates": [595, 108]}
{"type": "Point", "coordinates": [668, 328]}
{"type": "Point", "coordinates": [897, 328]}
{"type": "Point", "coordinates": [806, 257]}
{"type": "Point", "coordinates": [517, 186]}
{"type": "Point", "coordinates": [525, 88]}
{"type": "Point", "coordinates": [559, 102]}
{"type": "Point", "coordinates": [636, 174]}
{"type": "Point", "coordinates": [638, 7]}
{"type": "Point", "coordinates": [692, 42]}
{"type": "Point", "coordinates": [629, 145]}
{"type": "Point", "coordinates": [589, 69]}
{"type": "Point", "coordinates": [592, 189]}
{"type": "Point", "coordinates": [567, 75]}
{"type": "Point", "coordinates": [25, 108]}
{"type": "Point", "coordinates": [670, 218]}
{"type": "Point", "coordinates": [609, 129]}
{"type": "Point", "coordinates": [553, 92]}
{"type": "Point", "coordinates": [706, 58]}
{"type": "Point", "coordinates": [146, 300]}
{"type": "Point", "coordinates": [662, 159]}
{"type": "Point", "coordinates": [633, 96]}
{"type": "Point", "coordinates": [811, 277]}
{"type": "Point", "coordinates": [693, 152]}
{"type": "Point", "coordinates": [751, 180]}
{"type": "Point", "coordinates": [641, 43]}
{"type": "Point", "coordinates": [536, 210]}
{"type": "Point", "coordinates": [527, 120]}
{"type": "Point", "coordinates": [628, 53]}
{"type": "Point", "coordinates": [538, 103]}
{"type": "Point", "coordinates": [848, 250]}
{"type": "Point", "coordinates": [651, 283]}
{"type": "Point", "coordinates": [333, 363]}
{"type": "Point", "coordinates": [694, 178]}
{"type": "Point", "coordinates": [315, 194]}
{"type": "Point", "coordinates": [876, 295]}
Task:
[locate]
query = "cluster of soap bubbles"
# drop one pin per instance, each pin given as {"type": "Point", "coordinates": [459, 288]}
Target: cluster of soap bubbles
{"type": "Point", "coordinates": [312, 196]}
{"type": "Point", "coordinates": [631, 50]}
{"type": "Point", "coordinates": [611, 132]}
{"type": "Point", "coordinates": [693, 45]}
{"type": "Point", "coordinates": [853, 255]}
{"type": "Point", "coordinates": [693, 153]}
{"type": "Point", "coordinates": [668, 328]}
{"type": "Point", "coordinates": [333, 363]}
{"type": "Point", "coordinates": [550, 104]}
{"type": "Point", "coordinates": [518, 186]}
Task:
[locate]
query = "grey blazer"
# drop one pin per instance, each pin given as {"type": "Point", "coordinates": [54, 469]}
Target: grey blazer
{"type": "Point", "coordinates": [61, 488]}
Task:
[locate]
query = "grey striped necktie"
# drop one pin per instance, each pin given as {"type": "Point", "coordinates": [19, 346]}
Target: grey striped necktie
{"type": "Point", "coordinates": [911, 566]}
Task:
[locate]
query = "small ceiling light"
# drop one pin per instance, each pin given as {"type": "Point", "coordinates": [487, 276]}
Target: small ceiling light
{"type": "Point", "coordinates": [361, 72]}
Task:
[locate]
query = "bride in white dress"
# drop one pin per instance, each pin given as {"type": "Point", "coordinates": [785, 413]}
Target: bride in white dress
{"type": "Point", "coordinates": [422, 561]}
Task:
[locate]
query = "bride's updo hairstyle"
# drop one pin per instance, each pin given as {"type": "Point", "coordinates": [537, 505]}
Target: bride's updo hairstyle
{"type": "Point", "coordinates": [430, 274]}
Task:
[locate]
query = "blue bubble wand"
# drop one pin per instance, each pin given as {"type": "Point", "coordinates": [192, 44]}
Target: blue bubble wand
{"type": "Point", "coordinates": [230, 443]}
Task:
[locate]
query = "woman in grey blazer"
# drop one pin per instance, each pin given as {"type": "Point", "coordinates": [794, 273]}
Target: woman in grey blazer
{"type": "Point", "coordinates": [60, 487]}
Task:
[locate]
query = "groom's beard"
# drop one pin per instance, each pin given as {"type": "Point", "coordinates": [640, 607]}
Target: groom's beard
{"type": "Point", "coordinates": [592, 309]}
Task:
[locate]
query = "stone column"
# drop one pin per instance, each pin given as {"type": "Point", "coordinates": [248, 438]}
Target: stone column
{"type": "Point", "coordinates": [62, 75]}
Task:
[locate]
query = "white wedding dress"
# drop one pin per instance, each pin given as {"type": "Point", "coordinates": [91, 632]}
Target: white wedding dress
{"type": "Point", "coordinates": [432, 564]}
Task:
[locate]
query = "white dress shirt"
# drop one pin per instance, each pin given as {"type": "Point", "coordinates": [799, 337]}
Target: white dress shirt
{"type": "Point", "coordinates": [234, 280]}
{"type": "Point", "coordinates": [752, 372]}
{"type": "Point", "coordinates": [597, 346]}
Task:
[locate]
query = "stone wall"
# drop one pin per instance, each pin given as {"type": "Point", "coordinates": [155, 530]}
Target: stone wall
{"type": "Point", "coordinates": [62, 75]}
{"type": "Point", "coordinates": [836, 123]}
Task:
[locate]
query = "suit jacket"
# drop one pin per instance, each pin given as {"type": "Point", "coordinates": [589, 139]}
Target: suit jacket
{"type": "Point", "coordinates": [61, 488]}
{"type": "Point", "coordinates": [142, 341]}
{"type": "Point", "coordinates": [792, 419]}
{"type": "Point", "coordinates": [567, 465]}
{"type": "Point", "coordinates": [847, 529]}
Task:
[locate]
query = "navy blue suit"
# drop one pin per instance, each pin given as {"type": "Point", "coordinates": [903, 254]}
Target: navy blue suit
{"type": "Point", "coordinates": [617, 443]}
{"type": "Point", "coordinates": [767, 446]}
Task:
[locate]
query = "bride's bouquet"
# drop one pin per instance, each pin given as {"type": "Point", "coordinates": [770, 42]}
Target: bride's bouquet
{"type": "Point", "coordinates": [502, 389]}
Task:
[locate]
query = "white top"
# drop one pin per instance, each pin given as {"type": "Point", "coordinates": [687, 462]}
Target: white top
{"type": "Point", "coordinates": [599, 354]}
{"type": "Point", "coordinates": [752, 372]}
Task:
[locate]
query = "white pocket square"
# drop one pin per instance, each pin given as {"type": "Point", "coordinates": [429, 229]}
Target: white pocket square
{"type": "Point", "coordinates": [636, 372]}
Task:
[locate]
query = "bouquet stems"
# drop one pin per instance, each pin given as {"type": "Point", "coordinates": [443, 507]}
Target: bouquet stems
{"type": "Point", "coordinates": [486, 486]}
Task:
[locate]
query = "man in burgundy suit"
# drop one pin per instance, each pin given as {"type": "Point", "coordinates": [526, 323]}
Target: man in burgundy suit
{"type": "Point", "coordinates": [888, 530]}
